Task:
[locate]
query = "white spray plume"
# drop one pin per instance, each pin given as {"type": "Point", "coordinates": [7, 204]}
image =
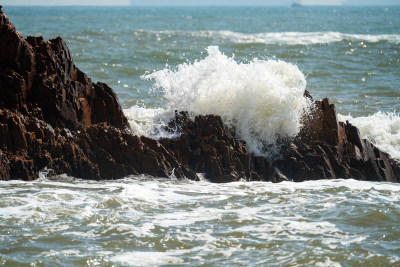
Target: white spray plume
{"type": "Point", "coordinates": [261, 101]}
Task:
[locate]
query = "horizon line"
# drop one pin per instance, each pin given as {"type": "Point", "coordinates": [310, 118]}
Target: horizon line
{"type": "Point", "coordinates": [196, 5]}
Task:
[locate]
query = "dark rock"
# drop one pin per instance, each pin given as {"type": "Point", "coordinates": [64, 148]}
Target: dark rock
{"type": "Point", "coordinates": [328, 149]}
{"type": "Point", "coordinates": [41, 76]}
{"type": "Point", "coordinates": [30, 145]}
{"type": "Point", "coordinates": [4, 168]}
{"type": "Point", "coordinates": [206, 146]}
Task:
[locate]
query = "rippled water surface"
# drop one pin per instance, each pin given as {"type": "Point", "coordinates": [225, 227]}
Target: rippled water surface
{"type": "Point", "coordinates": [350, 54]}
{"type": "Point", "coordinates": [145, 221]}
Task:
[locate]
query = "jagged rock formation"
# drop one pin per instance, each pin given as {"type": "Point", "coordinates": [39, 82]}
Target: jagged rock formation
{"type": "Point", "coordinates": [52, 116]}
{"type": "Point", "coordinates": [329, 149]}
{"type": "Point", "coordinates": [41, 78]}
{"type": "Point", "coordinates": [206, 146]}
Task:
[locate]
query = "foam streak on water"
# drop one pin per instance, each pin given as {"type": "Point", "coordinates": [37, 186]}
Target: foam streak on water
{"type": "Point", "coordinates": [147, 222]}
{"type": "Point", "coordinates": [305, 38]}
{"type": "Point", "coordinates": [261, 100]}
{"type": "Point", "coordinates": [287, 38]}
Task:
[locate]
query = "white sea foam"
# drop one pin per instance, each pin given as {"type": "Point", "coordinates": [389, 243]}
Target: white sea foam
{"type": "Point", "coordinates": [382, 129]}
{"type": "Point", "coordinates": [139, 258]}
{"type": "Point", "coordinates": [304, 38]}
{"type": "Point", "coordinates": [288, 38]}
{"type": "Point", "coordinates": [183, 222]}
{"type": "Point", "coordinates": [149, 122]}
{"type": "Point", "coordinates": [261, 100]}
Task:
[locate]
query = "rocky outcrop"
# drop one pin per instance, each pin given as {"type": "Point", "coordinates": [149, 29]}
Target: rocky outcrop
{"type": "Point", "coordinates": [329, 149]}
{"type": "Point", "coordinates": [54, 118]}
{"type": "Point", "coordinates": [41, 78]}
{"type": "Point", "coordinates": [94, 152]}
{"type": "Point", "coordinates": [324, 149]}
{"type": "Point", "coordinates": [206, 146]}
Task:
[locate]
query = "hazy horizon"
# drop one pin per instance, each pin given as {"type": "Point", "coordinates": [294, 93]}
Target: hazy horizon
{"type": "Point", "coordinates": [198, 3]}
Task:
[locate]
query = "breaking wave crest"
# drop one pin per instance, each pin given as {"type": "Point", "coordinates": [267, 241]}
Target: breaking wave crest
{"type": "Point", "coordinates": [288, 38]}
{"type": "Point", "coordinates": [305, 38]}
{"type": "Point", "coordinates": [261, 101]}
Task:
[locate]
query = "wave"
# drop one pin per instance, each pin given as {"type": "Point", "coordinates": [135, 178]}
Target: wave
{"type": "Point", "coordinates": [149, 122]}
{"type": "Point", "coordinates": [290, 38]}
{"type": "Point", "coordinates": [382, 129]}
{"type": "Point", "coordinates": [305, 38]}
{"type": "Point", "coordinates": [261, 101]}
{"type": "Point", "coordinates": [168, 214]}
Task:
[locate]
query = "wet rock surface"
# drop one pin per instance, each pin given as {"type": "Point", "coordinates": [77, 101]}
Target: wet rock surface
{"type": "Point", "coordinates": [206, 146]}
{"type": "Point", "coordinates": [54, 118]}
{"type": "Point", "coordinates": [329, 149]}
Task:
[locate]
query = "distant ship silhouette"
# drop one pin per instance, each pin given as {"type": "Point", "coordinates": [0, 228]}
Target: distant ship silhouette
{"type": "Point", "coordinates": [295, 5]}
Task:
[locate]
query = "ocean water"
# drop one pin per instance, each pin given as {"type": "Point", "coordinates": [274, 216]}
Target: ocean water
{"type": "Point", "coordinates": [250, 65]}
{"type": "Point", "coordinates": [143, 221]}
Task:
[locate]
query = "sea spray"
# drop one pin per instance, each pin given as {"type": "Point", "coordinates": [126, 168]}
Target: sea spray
{"type": "Point", "coordinates": [261, 101]}
{"type": "Point", "coordinates": [382, 129]}
{"type": "Point", "coordinates": [150, 122]}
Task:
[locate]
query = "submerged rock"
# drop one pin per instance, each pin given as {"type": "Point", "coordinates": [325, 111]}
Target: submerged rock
{"type": "Point", "coordinates": [54, 118]}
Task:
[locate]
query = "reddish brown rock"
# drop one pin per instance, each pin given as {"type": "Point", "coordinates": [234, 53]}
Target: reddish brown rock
{"type": "Point", "coordinates": [207, 146]}
{"type": "Point", "coordinates": [324, 149]}
{"type": "Point", "coordinates": [328, 149]}
{"type": "Point", "coordinates": [41, 77]}
{"type": "Point", "coordinates": [30, 145]}
{"type": "Point", "coordinates": [4, 168]}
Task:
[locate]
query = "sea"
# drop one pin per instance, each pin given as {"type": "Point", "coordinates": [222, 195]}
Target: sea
{"type": "Point", "coordinates": [251, 66]}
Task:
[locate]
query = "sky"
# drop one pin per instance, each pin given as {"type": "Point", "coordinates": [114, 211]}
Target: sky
{"type": "Point", "coordinates": [195, 2]}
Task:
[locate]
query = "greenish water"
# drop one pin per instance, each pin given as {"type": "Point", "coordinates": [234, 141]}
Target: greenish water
{"type": "Point", "coordinates": [245, 64]}
{"type": "Point", "coordinates": [349, 54]}
{"type": "Point", "coordinates": [147, 222]}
